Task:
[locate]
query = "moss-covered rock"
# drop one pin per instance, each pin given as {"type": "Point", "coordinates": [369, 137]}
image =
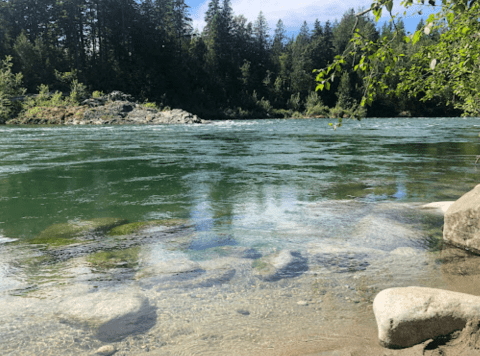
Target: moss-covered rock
{"type": "Point", "coordinates": [72, 231]}
{"type": "Point", "coordinates": [125, 258]}
{"type": "Point", "coordinates": [127, 229]}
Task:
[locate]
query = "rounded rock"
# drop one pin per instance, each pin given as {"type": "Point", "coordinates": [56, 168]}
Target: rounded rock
{"type": "Point", "coordinates": [106, 350]}
{"type": "Point", "coordinates": [411, 315]}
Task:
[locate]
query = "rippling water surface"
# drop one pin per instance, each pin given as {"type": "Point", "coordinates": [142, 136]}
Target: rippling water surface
{"type": "Point", "coordinates": [264, 234]}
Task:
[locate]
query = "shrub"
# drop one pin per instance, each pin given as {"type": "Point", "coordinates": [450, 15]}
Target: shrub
{"type": "Point", "coordinates": [10, 86]}
{"type": "Point", "coordinates": [97, 94]}
{"type": "Point", "coordinates": [149, 105]}
{"type": "Point", "coordinates": [78, 92]}
{"type": "Point", "coordinates": [294, 102]}
{"type": "Point", "coordinates": [282, 113]}
{"type": "Point", "coordinates": [314, 105]}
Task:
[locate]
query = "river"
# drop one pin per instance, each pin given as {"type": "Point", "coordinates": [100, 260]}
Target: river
{"type": "Point", "coordinates": [266, 236]}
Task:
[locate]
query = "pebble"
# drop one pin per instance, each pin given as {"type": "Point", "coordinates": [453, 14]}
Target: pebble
{"type": "Point", "coordinates": [243, 312]}
{"type": "Point", "coordinates": [302, 302]}
{"type": "Point", "coordinates": [106, 350]}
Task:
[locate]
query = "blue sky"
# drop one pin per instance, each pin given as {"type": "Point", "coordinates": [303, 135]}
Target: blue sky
{"type": "Point", "coordinates": [294, 12]}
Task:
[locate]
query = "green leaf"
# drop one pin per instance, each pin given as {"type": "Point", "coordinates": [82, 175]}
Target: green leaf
{"type": "Point", "coordinates": [320, 87]}
{"type": "Point", "coordinates": [450, 18]}
{"type": "Point", "coordinates": [389, 5]}
{"type": "Point", "coordinates": [416, 37]}
{"type": "Point", "coordinates": [377, 13]}
{"type": "Point", "coordinates": [327, 84]}
{"type": "Point", "coordinates": [406, 39]}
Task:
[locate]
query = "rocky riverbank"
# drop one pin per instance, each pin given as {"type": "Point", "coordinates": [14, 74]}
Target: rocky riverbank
{"type": "Point", "coordinates": [115, 108]}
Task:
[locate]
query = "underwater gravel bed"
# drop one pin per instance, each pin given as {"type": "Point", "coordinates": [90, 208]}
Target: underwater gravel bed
{"type": "Point", "coordinates": [233, 298]}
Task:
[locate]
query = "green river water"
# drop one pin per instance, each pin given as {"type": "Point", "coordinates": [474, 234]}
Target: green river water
{"type": "Point", "coordinates": [251, 235]}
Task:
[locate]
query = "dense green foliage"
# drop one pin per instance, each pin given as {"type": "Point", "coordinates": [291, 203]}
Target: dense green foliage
{"type": "Point", "coordinates": [233, 68]}
{"type": "Point", "coordinates": [438, 65]}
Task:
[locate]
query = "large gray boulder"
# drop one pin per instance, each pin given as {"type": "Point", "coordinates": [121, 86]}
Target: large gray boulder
{"type": "Point", "coordinates": [462, 222]}
{"type": "Point", "coordinates": [411, 315]}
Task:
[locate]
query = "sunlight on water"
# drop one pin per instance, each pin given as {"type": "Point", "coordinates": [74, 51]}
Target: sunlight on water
{"type": "Point", "coordinates": [238, 237]}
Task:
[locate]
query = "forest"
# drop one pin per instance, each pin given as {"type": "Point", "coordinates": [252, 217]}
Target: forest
{"type": "Point", "coordinates": [233, 68]}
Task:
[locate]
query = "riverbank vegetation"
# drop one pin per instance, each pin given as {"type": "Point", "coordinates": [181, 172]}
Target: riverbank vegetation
{"type": "Point", "coordinates": [233, 68]}
{"type": "Point", "coordinates": [439, 64]}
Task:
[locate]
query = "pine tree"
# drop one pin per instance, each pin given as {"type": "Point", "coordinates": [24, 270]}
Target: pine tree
{"type": "Point", "coordinates": [212, 12]}
{"type": "Point", "coordinates": [279, 38]}
{"type": "Point", "coordinates": [317, 30]}
{"type": "Point", "coordinates": [260, 32]}
{"type": "Point", "coordinates": [304, 34]}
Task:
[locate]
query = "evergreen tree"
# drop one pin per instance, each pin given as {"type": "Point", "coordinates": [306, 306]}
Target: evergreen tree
{"type": "Point", "coordinates": [260, 32]}
{"type": "Point", "coordinates": [212, 12]}
{"type": "Point", "coordinates": [304, 34]}
{"type": "Point", "coordinates": [344, 92]}
{"type": "Point", "coordinates": [317, 30]}
{"type": "Point", "coordinates": [279, 38]}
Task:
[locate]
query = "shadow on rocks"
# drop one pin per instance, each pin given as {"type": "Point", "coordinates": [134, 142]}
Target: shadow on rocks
{"type": "Point", "coordinates": [287, 264]}
{"type": "Point", "coordinates": [129, 324]}
{"type": "Point", "coordinates": [464, 342]}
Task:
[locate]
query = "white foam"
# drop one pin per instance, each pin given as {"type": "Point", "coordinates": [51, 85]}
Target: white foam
{"type": "Point", "coordinates": [4, 239]}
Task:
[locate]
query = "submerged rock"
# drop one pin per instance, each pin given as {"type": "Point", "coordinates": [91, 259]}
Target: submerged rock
{"type": "Point", "coordinates": [130, 228]}
{"type": "Point", "coordinates": [113, 315]}
{"type": "Point", "coordinates": [411, 315]}
{"type": "Point", "coordinates": [285, 264]}
{"type": "Point", "coordinates": [172, 267]}
{"type": "Point", "coordinates": [342, 262]}
{"type": "Point", "coordinates": [462, 222]}
{"type": "Point", "coordinates": [190, 279]}
{"type": "Point", "coordinates": [439, 206]}
{"type": "Point", "coordinates": [133, 323]}
{"type": "Point", "coordinates": [125, 258]}
{"type": "Point", "coordinates": [70, 232]}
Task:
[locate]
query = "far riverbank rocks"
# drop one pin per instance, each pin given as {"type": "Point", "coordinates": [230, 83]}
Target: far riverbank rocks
{"type": "Point", "coordinates": [114, 109]}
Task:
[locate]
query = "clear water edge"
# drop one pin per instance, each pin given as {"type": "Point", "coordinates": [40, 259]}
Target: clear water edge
{"type": "Point", "coordinates": [346, 200]}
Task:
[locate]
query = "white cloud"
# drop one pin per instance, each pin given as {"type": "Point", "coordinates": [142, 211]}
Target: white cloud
{"type": "Point", "coordinates": [291, 12]}
{"type": "Point", "coordinates": [294, 12]}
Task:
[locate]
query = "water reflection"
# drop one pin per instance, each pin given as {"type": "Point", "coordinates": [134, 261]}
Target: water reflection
{"type": "Point", "coordinates": [275, 216]}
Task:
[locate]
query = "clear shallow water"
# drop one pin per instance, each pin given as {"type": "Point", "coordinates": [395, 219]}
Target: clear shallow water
{"type": "Point", "coordinates": [342, 203]}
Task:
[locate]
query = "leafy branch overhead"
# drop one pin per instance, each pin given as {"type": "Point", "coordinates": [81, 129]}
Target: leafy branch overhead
{"type": "Point", "coordinates": [443, 55]}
